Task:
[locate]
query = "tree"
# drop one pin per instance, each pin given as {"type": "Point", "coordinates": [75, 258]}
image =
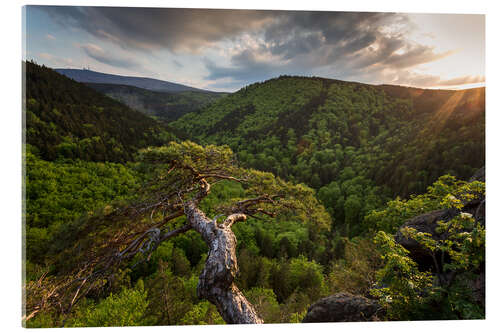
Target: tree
{"type": "Point", "coordinates": [171, 203]}
{"type": "Point", "coordinates": [168, 298]}
{"type": "Point", "coordinates": [456, 247]}
{"type": "Point", "coordinates": [128, 308]}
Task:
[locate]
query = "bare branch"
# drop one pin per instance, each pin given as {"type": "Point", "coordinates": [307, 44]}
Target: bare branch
{"type": "Point", "coordinates": [231, 219]}
{"type": "Point", "coordinates": [175, 232]}
{"type": "Point", "coordinates": [219, 176]}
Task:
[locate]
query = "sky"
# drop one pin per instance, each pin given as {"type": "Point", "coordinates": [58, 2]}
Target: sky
{"type": "Point", "coordinates": [225, 50]}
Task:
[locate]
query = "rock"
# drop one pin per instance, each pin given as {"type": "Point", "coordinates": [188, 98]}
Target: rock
{"type": "Point", "coordinates": [428, 222]}
{"type": "Point", "coordinates": [479, 175]}
{"type": "Point", "coordinates": [423, 223]}
{"type": "Point", "coordinates": [342, 307]}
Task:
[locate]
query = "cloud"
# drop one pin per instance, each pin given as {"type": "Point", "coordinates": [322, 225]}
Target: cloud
{"type": "Point", "coordinates": [56, 61]}
{"type": "Point", "coordinates": [149, 29]}
{"type": "Point", "coordinates": [49, 36]}
{"type": "Point", "coordinates": [97, 53]}
{"type": "Point", "coordinates": [245, 68]}
{"type": "Point", "coordinates": [178, 64]}
{"type": "Point", "coordinates": [414, 55]}
{"type": "Point", "coordinates": [355, 45]}
{"type": "Point", "coordinates": [349, 31]}
{"type": "Point", "coordinates": [411, 78]}
{"type": "Point", "coordinates": [287, 34]}
{"type": "Point", "coordinates": [254, 45]}
{"type": "Point", "coordinates": [468, 79]}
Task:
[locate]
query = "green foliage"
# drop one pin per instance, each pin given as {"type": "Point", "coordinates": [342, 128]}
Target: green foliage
{"type": "Point", "coordinates": [170, 296]}
{"type": "Point", "coordinates": [265, 304]}
{"type": "Point", "coordinates": [67, 119]}
{"type": "Point", "coordinates": [128, 308]}
{"type": "Point", "coordinates": [354, 270]}
{"type": "Point", "coordinates": [295, 201]}
{"type": "Point", "coordinates": [307, 276]}
{"type": "Point", "coordinates": [297, 276]}
{"type": "Point", "coordinates": [59, 192]}
{"type": "Point", "coordinates": [170, 274]}
{"type": "Point", "coordinates": [408, 289]}
{"type": "Point", "coordinates": [358, 145]}
{"type": "Point", "coordinates": [457, 250]}
{"type": "Point", "coordinates": [166, 106]}
{"type": "Point", "coordinates": [202, 313]}
{"type": "Point", "coordinates": [438, 196]}
{"type": "Point", "coordinates": [355, 145]}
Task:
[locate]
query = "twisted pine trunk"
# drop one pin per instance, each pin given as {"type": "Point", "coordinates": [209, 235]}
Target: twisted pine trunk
{"type": "Point", "coordinates": [216, 283]}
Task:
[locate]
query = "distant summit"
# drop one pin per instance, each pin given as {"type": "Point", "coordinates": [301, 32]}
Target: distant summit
{"type": "Point", "coordinates": [88, 76]}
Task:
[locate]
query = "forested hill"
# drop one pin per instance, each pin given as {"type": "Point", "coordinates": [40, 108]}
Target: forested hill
{"type": "Point", "coordinates": [166, 106]}
{"type": "Point", "coordinates": [468, 101]}
{"type": "Point", "coordinates": [357, 144]}
{"type": "Point", "coordinates": [67, 119]}
{"type": "Point", "coordinates": [85, 75]}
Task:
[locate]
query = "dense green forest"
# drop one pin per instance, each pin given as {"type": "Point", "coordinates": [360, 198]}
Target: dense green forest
{"type": "Point", "coordinates": [350, 163]}
{"type": "Point", "coordinates": [67, 119]}
{"type": "Point", "coordinates": [167, 106]}
{"type": "Point", "coordinates": [358, 145]}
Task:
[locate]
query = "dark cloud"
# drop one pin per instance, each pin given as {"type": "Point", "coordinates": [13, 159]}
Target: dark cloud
{"type": "Point", "coordinates": [356, 42]}
{"type": "Point", "coordinates": [351, 44]}
{"type": "Point", "coordinates": [156, 28]}
{"type": "Point", "coordinates": [102, 56]}
{"type": "Point", "coordinates": [350, 31]}
{"type": "Point", "coordinates": [296, 43]}
{"type": "Point", "coordinates": [289, 33]}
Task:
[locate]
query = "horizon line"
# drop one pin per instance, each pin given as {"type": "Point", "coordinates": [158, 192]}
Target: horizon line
{"type": "Point", "coordinates": [464, 86]}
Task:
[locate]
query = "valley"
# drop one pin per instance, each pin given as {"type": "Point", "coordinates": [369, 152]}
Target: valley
{"type": "Point", "coordinates": [329, 170]}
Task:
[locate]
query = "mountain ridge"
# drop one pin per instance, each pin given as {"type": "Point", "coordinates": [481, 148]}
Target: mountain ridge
{"type": "Point", "coordinates": [89, 76]}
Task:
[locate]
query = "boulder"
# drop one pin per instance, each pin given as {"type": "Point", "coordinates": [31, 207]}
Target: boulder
{"type": "Point", "coordinates": [423, 223]}
{"type": "Point", "coordinates": [428, 222]}
{"type": "Point", "coordinates": [342, 307]}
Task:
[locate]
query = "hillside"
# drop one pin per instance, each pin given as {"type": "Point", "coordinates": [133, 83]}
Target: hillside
{"type": "Point", "coordinates": [357, 144]}
{"type": "Point", "coordinates": [430, 100]}
{"type": "Point", "coordinates": [166, 106]}
{"type": "Point", "coordinates": [67, 119]}
{"type": "Point", "coordinates": [85, 75]}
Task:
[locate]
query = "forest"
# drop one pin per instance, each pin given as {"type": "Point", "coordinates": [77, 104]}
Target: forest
{"type": "Point", "coordinates": [287, 196]}
{"type": "Point", "coordinates": [167, 106]}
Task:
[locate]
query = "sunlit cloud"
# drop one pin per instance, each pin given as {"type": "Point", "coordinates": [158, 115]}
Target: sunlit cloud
{"type": "Point", "coordinates": [410, 78]}
{"type": "Point", "coordinates": [462, 80]}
